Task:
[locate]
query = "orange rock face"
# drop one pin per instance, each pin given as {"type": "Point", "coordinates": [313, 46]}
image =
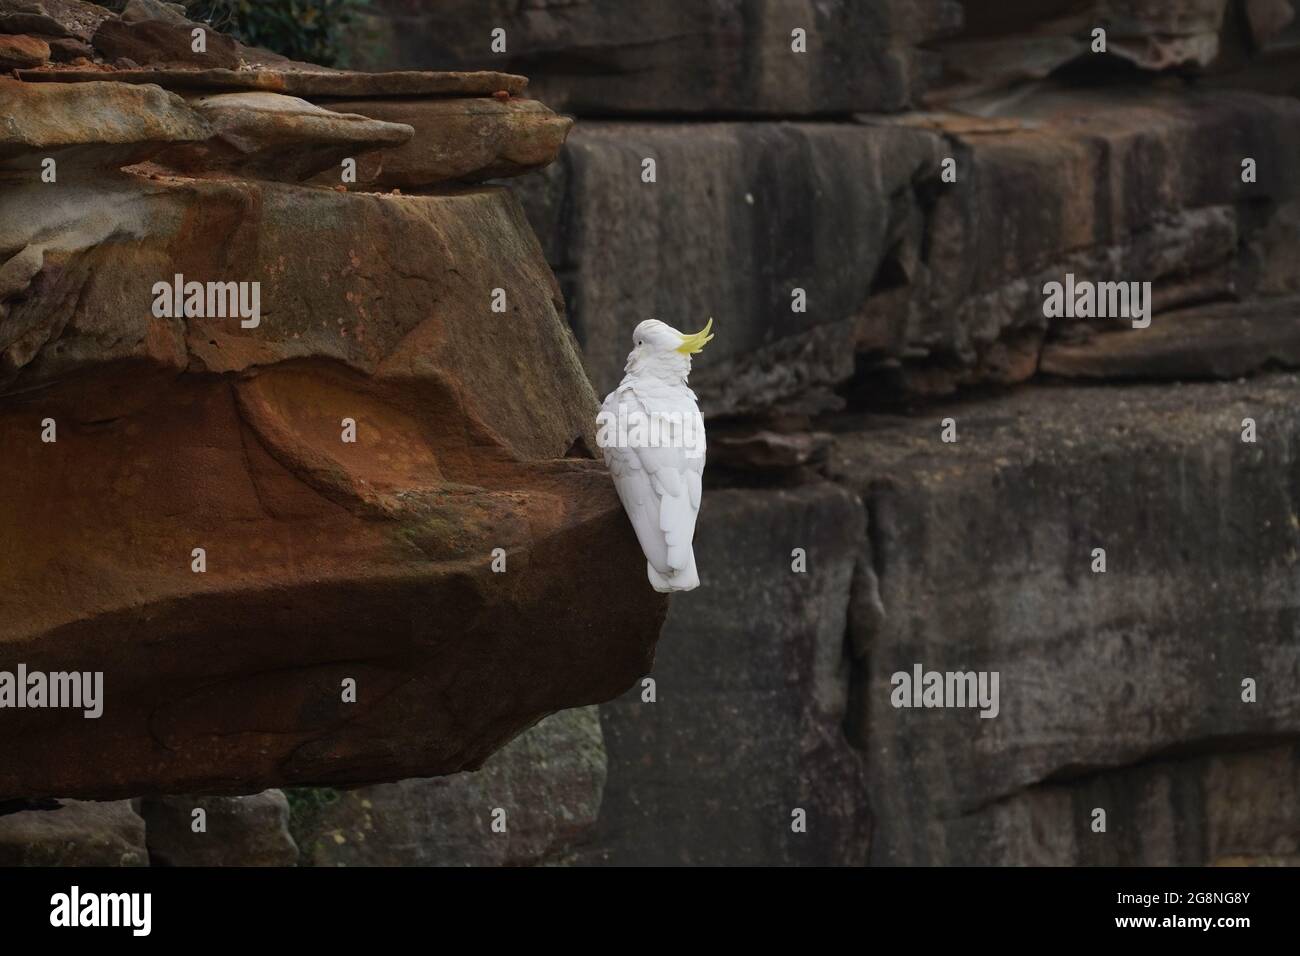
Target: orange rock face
{"type": "Point", "coordinates": [347, 542]}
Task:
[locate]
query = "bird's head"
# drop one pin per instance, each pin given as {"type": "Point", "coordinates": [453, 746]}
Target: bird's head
{"type": "Point", "coordinates": [660, 350]}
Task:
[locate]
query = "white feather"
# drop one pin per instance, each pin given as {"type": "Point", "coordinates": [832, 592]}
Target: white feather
{"type": "Point", "coordinates": [659, 483]}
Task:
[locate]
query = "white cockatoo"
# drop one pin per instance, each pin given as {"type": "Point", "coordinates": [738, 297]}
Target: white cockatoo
{"type": "Point", "coordinates": [652, 436]}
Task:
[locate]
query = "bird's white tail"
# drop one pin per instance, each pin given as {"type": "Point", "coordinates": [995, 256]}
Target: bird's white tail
{"type": "Point", "coordinates": [687, 579]}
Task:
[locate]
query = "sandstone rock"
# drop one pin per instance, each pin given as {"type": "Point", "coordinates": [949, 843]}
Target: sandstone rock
{"type": "Point", "coordinates": [22, 51]}
{"type": "Point", "coordinates": [748, 449]}
{"type": "Point", "coordinates": [760, 647]}
{"type": "Point", "coordinates": [811, 206]}
{"type": "Point", "coordinates": [1274, 247]}
{"type": "Point", "coordinates": [1234, 808]}
{"type": "Point", "coordinates": [458, 139]}
{"type": "Point", "coordinates": [944, 280]}
{"type": "Point", "coordinates": [1225, 340]}
{"type": "Point", "coordinates": [684, 56]}
{"type": "Point", "coordinates": [1002, 44]}
{"type": "Point", "coordinates": [311, 83]}
{"type": "Point", "coordinates": [271, 136]}
{"type": "Point", "coordinates": [67, 49]}
{"type": "Point", "coordinates": [240, 831]}
{"type": "Point", "coordinates": [60, 18]}
{"type": "Point", "coordinates": [983, 553]}
{"type": "Point", "coordinates": [74, 834]}
{"type": "Point", "coordinates": [163, 43]}
{"type": "Point", "coordinates": [325, 561]}
{"type": "Point", "coordinates": [548, 781]}
{"type": "Point", "coordinates": [1268, 18]}
{"type": "Point", "coordinates": [136, 10]}
{"type": "Point", "coordinates": [101, 124]}
{"type": "Point", "coordinates": [1064, 186]}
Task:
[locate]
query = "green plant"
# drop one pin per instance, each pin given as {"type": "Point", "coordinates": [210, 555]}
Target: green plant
{"type": "Point", "coordinates": [312, 30]}
{"type": "Point", "coordinates": [305, 807]}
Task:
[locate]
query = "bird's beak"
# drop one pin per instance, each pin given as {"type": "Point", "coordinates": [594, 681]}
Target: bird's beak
{"type": "Point", "coordinates": [695, 343]}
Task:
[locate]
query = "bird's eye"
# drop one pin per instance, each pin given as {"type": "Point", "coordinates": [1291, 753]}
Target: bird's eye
{"type": "Point", "coordinates": [639, 342]}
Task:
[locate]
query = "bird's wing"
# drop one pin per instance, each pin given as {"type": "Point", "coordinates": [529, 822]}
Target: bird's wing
{"type": "Point", "coordinates": [660, 485]}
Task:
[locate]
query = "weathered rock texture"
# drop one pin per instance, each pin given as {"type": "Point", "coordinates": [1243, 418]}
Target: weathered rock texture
{"type": "Point", "coordinates": [684, 56]}
{"type": "Point", "coordinates": [1228, 807]}
{"type": "Point", "coordinates": [913, 181]}
{"type": "Point", "coordinates": [73, 833]}
{"type": "Point", "coordinates": [230, 831]}
{"type": "Point", "coordinates": [132, 438]}
{"type": "Point", "coordinates": [983, 551]}
{"type": "Point", "coordinates": [466, 139]}
{"type": "Point", "coordinates": [924, 300]}
{"type": "Point", "coordinates": [273, 136]}
{"type": "Point", "coordinates": [935, 284]}
{"type": "Point", "coordinates": [528, 805]}
{"type": "Point", "coordinates": [744, 728]}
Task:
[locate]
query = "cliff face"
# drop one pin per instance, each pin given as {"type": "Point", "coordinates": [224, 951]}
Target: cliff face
{"type": "Point", "coordinates": [920, 174]}
{"type": "Point", "coordinates": [921, 182]}
{"type": "Point", "coordinates": [323, 524]}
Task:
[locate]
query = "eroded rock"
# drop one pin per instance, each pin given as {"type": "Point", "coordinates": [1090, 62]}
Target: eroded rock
{"type": "Point", "coordinates": [317, 525]}
{"type": "Point", "coordinates": [74, 833]}
{"type": "Point", "coordinates": [468, 139]}
{"type": "Point", "coordinates": [313, 82]}
{"type": "Point", "coordinates": [1224, 340]}
{"type": "Point", "coordinates": [528, 805]}
{"type": "Point", "coordinates": [306, 536]}
{"type": "Point", "coordinates": [1237, 807]}
{"type": "Point", "coordinates": [234, 831]}
{"type": "Point", "coordinates": [1004, 44]}
{"type": "Point", "coordinates": [22, 51]}
{"type": "Point", "coordinates": [759, 646]}
{"type": "Point", "coordinates": [984, 554]}
{"type": "Point", "coordinates": [272, 136]}
{"type": "Point", "coordinates": [100, 124]}
{"type": "Point", "coordinates": [60, 18]}
{"type": "Point", "coordinates": [162, 43]}
{"type": "Point", "coordinates": [685, 56]}
{"type": "Point", "coordinates": [816, 207]}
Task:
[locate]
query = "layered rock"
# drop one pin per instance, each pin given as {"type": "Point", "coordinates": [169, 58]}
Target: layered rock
{"type": "Point", "coordinates": [400, 129]}
{"type": "Point", "coordinates": [272, 136]}
{"type": "Point", "coordinates": [528, 805]}
{"type": "Point", "coordinates": [460, 139]}
{"type": "Point", "coordinates": [57, 18]}
{"type": "Point", "coordinates": [1120, 690]}
{"type": "Point", "coordinates": [683, 56]}
{"type": "Point", "coordinates": [336, 538]}
{"type": "Point", "coordinates": [219, 831]}
{"type": "Point", "coordinates": [1003, 44]}
{"type": "Point", "coordinates": [805, 206]}
{"type": "Point", "coordinates": [983, 550]}
{"type": "Point", "coordinates": [1222, 340]}
{"type": "Point", "coordinates": [735, 755]}
{"type": "Point", "coordinates": [73, 833]}
{"type": "Point", "coordinates": [22, 51]}
{"type": "Point", "coordinates": [941, 281]}
{"type": "Point", "coordinates": [1232, 807]}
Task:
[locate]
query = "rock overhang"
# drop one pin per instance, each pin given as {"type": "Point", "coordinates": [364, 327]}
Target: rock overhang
{"type": "Point", "coordinates": [232, 521]}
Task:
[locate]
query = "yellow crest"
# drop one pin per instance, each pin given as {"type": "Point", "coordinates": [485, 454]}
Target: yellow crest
{"type": "Point", "coordinates": [695, 343]}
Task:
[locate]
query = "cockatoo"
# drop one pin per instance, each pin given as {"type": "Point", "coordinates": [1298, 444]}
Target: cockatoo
{"type": "Point", "coordinates": [652, 436]}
